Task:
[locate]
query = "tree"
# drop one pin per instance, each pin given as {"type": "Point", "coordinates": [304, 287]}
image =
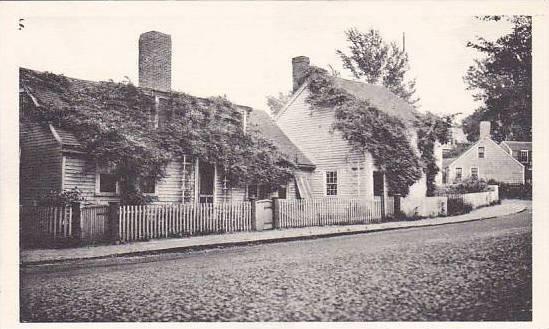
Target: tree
{"type": "Point", "coordinates": [378, 62]}
{"type": "Point", "coordinates": [276, 103]}
{"type": "Point", "coordinates": [502, 80]}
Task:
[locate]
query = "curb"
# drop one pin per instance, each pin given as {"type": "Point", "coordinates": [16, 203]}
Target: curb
{"type": "Point", "coordinates": [117, 258]}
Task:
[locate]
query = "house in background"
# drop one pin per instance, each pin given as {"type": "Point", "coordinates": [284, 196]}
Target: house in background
{"type": "Point", "coordinates": [340, 171]}
{"type": "Point", "coordinates": [522, 151]}
{"type": "Point", "coordinates": [487, 160]}
{"type": "Point", "coordinates": [52, 158]}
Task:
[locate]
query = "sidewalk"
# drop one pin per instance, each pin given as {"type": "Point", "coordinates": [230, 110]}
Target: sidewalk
{"type": "Point", "coordinates": [45, 256]}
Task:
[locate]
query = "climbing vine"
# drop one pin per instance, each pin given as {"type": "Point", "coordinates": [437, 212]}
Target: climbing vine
{"type": "Point", "coordinates": [384, 136]}
{"type": "Point", "coordinates": [115, 123]}
{"type": "Point", "coordinates": [368, 129]}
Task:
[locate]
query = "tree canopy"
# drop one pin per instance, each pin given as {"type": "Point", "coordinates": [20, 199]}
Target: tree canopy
{"type": "Point", "coordinates": [372, 59]}
{"type": "Point", "coordinates": [502, 80]}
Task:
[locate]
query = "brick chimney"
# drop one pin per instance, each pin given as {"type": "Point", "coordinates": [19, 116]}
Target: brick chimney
{"type": "Point", "coordinates": [155, 60]}
{"type": "Point", "coordinates": [300, 65]}
{"type": "Point", "coordinates": [484, 129]}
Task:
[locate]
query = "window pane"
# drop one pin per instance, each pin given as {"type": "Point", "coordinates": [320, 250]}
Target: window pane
{"type": "Point", "coordinates": [107, 183]}
{"type": "Point", "coordinates": [481, 152]}
{"type": "Point", "coordinates": [331, 183]}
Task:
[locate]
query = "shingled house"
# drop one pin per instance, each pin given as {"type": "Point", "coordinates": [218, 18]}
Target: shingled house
{"type": "Point", "coordinates": [487, 160]}
{"type": "Point", "coordinates": [52, 158]}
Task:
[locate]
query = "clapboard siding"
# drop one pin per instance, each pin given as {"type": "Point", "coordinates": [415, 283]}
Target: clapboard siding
{"type": "Point", "coordinates": [170, 187]}
{"type": "Point", "coordinates": [497, 163]}
{"type": "Point", "coordinates": [40, 162]}
{"type": "Point", "coordinates": [311, 132]}
{"type": "Point", "coordinates": [79, 173]}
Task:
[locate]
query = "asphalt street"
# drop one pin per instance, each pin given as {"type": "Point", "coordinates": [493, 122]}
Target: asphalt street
{"type": "Point", "coordinates": [471, 271]}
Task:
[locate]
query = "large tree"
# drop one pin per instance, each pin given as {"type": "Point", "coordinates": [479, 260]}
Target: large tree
{"type": "Point", "coordinates": [502, 80]}
{"type": "Point", "coordinates": [372, 59]}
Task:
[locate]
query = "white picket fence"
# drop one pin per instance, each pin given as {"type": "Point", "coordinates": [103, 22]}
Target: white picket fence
{"type": "Point", "coordinates": [171, 220]}
{"type": "Point", "coordinates": [331, 211]}
{"type": "Point", "coordinates": [480, 199]}
{"type": "Point", "coordinates": [45, 222]}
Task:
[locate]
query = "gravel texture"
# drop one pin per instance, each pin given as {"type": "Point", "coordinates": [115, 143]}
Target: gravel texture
{"type": "Point", "coordinates": [463, 272]}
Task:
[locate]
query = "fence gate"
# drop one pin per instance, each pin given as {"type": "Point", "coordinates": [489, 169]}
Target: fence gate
{"type": "Point", "coordinates": [264, 213]}
{"type": "Point", "coordinates": [94, 223]}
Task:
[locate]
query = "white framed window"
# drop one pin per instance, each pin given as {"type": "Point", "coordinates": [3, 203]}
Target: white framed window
{"type": "Point", "coordinates": [459, 174]}
{"type": "Point", "coordinates": [474, 172]}
{"type": "Point", "coordinates": [106, 183]}
{"type": "Point", "coordinates": [331, 183]}
{"type": "Point", "coordinates": [523, 156]}
{"type": "Point", "coordinates": [481, 152]}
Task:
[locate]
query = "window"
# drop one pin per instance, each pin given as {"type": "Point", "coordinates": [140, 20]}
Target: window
{"type": "Point", "coordinates": [458, 174]}
{"type": "Point", "coordinates": [148, 185]}
{"type": "Point", "coordinates": [474, 173]}
{"type": "Point", "coordinates": [252, 191]}
{"type": "Point", "coordinates": [107, 183]}
{"type": "Point", "coordinates": [481, 152]}
{"type": "Point", "coordinates": [523, 156]}
{"type": "Point", "coordinates": [282, 192]}
{"type": "Point", "coordinates": [331, 183]}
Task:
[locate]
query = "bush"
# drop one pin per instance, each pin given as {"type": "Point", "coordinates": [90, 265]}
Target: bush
{"type": "Point", "coordinates": [61, 199]}
{"type": "Point", "coordinates": [468, 185]}
{"type": "Point", "coordinates": [513, 191]}
{"type": "Point", "coordinates": [456, 206]}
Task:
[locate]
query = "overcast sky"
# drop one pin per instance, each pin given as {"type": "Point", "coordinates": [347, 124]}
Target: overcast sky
{"type": "Point", "coordinates": [244, 51]}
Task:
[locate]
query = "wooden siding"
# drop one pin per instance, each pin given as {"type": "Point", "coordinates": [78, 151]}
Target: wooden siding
{"type": "Point", "coordinates": [40, 162]}
{"type": "Point", "coordinates": [311, 132]}
{"type": "Point", "coordinates": [497, 163]}
{"type": "Point", "coordinates": [170, 187]}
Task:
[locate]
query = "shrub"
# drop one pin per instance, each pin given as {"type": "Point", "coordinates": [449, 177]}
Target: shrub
{"type": "Point", "coordinates": [513, 191]}
{"type": "Point", "coordinates": [456, 206]}
{"type": "Point", "coordinates": [60, 199]}
{"type": "Point", "coordinates": [468, 185]}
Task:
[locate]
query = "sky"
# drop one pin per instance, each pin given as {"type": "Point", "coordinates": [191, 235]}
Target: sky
{"type": "Point", "coordinates": [244, 51]}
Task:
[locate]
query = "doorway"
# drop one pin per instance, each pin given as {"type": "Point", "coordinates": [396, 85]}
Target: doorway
{"type": "Point", "coordinates": [206, 182]}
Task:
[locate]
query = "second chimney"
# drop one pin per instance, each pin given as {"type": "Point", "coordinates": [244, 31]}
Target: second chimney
{"type": "Point", "coordinates": [484, 129]}
{"type": "Point", "coordinates": [300, 65]}
{"type": "Point", "coordinates": [155, 60]}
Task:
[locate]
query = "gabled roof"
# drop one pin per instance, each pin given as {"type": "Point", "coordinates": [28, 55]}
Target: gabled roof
{"type": "Point", "coordinates": [472, 147]}
{"type": "Point", "coordinates": [268, 128]}
{"type": "Point", "coordinates": [517, 146]}
{"type": "Point", "coordinates": [378, 96]}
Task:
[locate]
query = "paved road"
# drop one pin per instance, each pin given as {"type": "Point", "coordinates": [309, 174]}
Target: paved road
{"type": "Point", "coordinates": [469, 271]}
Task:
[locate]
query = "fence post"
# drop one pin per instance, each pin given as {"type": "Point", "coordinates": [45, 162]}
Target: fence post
{"type": "Point", "coordinates": [75, 221]}
{"type": "Point", "coordinates": [114, 211]}
{"type": "Point", "coordinates": [276, 212]}
{"type": "Point", "coordinates": [253, 214]}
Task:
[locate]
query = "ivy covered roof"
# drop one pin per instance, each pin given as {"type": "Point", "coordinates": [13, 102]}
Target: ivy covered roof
{"type": "Point", "coordinates": [380, 97]}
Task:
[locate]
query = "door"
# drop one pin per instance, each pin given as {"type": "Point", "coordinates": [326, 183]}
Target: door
{"type": "Point", "coordinates": [378, 183]}
{"type": "Point", "coordinates": [206, 182]}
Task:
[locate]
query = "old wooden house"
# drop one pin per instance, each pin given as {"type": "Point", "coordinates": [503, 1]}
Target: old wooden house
{"type": "Point", "coordinates": [487, 160]}
{"type": "Point", "coordinates": [340, 171]}
{"type": "Point", "coordinates": [52, 158]}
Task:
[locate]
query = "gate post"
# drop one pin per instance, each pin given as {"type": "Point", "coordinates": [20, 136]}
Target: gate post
{"type": "Point", "coordinates": [276, 212]}
{"type": "Point", "coordinates": [76, 221]}
{"type": "Point", "coordinates": [253, 214]}
{"type": "Point", "coordinates": [114, 211]}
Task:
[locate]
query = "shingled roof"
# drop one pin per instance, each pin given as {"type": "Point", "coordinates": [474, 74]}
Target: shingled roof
{"type": "Point", "coordinates": [268, 128]}
{"type": "Point", "coordinates": [517, 146]}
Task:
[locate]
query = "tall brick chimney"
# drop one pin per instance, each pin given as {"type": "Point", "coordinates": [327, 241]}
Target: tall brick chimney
{"type": "Point", "coordinates": [484, 129]}
{"type": "Point", "coordinates": [300, 65]}
{"type": "Point", "coordinates": [155, 60]}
